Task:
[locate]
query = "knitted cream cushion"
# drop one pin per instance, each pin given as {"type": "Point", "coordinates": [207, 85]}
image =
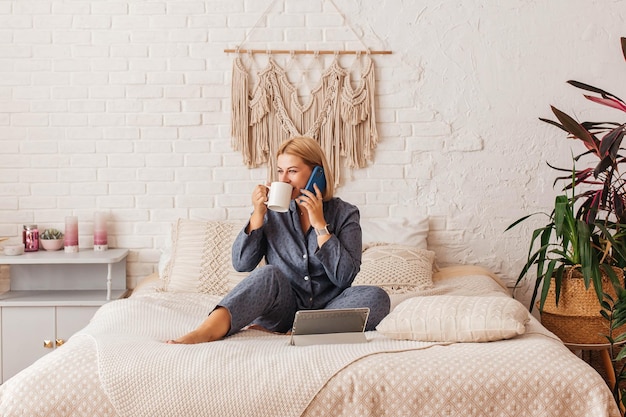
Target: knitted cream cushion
{"type": "Point", "coordinates": [396, 268]}
{"type": "Point", "coordinates": [456, 318]}
{"type": "Point", "coordinates": [200, 259]}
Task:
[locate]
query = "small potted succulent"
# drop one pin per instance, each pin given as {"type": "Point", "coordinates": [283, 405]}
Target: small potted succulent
{"type": "Point", "coordinates": [51, 239]}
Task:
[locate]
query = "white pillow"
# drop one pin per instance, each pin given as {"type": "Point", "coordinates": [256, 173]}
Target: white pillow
{"type": "Point", "coordinates": [450, 318]}
{"type": "Point", "coordinates": [396, 268]}
{"type": "Point", "coordinates": [200, 257]}
{"type": "Point", "coordinates": [401, 231]}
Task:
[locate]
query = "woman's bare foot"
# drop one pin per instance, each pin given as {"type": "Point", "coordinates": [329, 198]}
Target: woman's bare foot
{"type": "Point", "coordinates": [191, 338]}
{"type": "Point", "coordinates": [215, 327]}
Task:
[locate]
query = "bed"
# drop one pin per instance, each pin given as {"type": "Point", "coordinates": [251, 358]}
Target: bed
{"type": "Point", "coordinates": [455, 344]}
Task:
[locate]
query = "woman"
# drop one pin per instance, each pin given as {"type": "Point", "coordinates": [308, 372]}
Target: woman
{"type": "Point", "coordinates": [313, 253]}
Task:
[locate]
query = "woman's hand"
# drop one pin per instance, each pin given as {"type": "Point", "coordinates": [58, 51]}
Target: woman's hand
{"type": "Point", "coordinates": [259, 198]}
{"type": "Point", "coordinates": [314, 205]}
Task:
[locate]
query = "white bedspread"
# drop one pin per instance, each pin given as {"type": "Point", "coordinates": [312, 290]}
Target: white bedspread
{"type": "Point", "coordinates": [119, 366]}
{"type": "Point", "coordinates": [532, 375]}
{"type": "Point", "coordinates": [165, 377]}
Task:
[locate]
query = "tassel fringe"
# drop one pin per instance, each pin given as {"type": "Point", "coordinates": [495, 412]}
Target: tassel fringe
{"type": "Point", "coordinates": [340, 118]}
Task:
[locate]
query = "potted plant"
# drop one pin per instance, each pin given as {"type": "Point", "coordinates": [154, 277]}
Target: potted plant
{"type": "Point", "coordinates": [51, 239]}
{"type": "Point", "coordinates": [614, 311]}
{"type": "Point", "coordinates": [585, 236]}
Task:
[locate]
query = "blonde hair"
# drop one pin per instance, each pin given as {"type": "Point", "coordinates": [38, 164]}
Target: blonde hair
{"type": "Point", "coordinates": [312, 154]}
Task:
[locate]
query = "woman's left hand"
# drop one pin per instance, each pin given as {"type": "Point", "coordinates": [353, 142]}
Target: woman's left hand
{"type": "Point", "coordinates": [314, 205]}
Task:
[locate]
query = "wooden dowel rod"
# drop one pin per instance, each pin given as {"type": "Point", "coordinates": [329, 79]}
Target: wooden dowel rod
{"type": "Point", "coordinates": [304, 52]}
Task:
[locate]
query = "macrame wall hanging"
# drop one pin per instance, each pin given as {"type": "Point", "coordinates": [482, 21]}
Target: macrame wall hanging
{"type": "Point", "coordinates": [268, 111]}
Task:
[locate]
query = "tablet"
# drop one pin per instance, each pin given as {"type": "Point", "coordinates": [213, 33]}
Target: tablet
{"type": "Point", "coordinates": [328, 326]}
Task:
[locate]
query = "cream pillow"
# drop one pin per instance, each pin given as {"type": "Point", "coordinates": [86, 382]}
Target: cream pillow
{"type": "Point", "coordinates": [397, 269]}
{"type": "Point", "coordinates": [200, 257]}
{"type": "Point", "coordinates": [400, 231]}
{"type": "Point", "coordinates": [450, 318]}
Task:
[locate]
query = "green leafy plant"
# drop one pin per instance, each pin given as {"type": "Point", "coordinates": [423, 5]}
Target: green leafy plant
{"type": "Point", "coordinates": [603, 195]}
{"type": "Point", "coordinates": [564, 242]}
{"type": "Point", "coordinates": [614, 311]}
{"type": "Point", "coordinates": [51, 234]}
{"type": "Point", "coordinates": [588, 229]}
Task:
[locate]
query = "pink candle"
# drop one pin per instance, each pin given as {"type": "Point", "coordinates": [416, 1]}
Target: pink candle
{"type": "Point", "coordinates": [99, 237]}
{"type": "Point", "coordinates": [71, 234]}
{"type": "Point", "coordinates": [100, 231]}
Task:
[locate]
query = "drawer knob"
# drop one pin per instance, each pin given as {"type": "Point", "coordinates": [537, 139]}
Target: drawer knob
{"type": "Point", "coordinates": [48, 344]}
{"type": "Point", "coordinates": [60, 342]}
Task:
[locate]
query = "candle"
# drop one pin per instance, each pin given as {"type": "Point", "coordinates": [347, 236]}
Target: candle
{"type": "Point", "coordinates": [71, 234]}
{"type": "Point", "coordinates": [30, 237]}
{"type": "Point", "coordinates": [100, 242]}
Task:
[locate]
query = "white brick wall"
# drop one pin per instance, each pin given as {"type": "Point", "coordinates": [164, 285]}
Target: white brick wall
{"type": "Point", "coordinates": [124, 106]}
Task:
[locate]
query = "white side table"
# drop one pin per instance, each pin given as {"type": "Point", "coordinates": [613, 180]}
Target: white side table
{"type": "Point", "coordinates": [53, 295]}
{"type": "Point", "coordinates": [97, 276]}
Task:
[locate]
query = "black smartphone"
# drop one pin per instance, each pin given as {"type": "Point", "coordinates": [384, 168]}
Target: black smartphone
{"type": "Point", "coordinates": [317, 177]}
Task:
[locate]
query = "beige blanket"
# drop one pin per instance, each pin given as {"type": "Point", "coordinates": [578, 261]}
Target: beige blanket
{"type": "Point", "coordinates": [146, 377]}
{"type": "Point", "coordinates": [530, 375]}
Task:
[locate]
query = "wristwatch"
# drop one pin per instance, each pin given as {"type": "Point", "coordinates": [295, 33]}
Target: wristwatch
{"type": "Point", "coordinates": [322, 232]}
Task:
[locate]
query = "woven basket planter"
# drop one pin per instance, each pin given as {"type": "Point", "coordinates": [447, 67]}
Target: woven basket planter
{"type": "Point", "coordinates": [577, 318]}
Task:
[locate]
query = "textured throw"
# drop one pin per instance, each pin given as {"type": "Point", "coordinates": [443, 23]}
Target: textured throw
{"type": "Point", "coordinates": [171, 379]}
{"type": "Point", "coordinates": [530, 375]}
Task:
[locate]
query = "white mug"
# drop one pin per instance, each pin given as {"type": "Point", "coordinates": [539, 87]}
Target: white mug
{"type": "Point", "coordinates": [279, 196]}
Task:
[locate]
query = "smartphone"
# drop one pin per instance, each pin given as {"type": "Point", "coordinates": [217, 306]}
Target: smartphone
{"type": "Point", "coordinates": [317, 177]}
